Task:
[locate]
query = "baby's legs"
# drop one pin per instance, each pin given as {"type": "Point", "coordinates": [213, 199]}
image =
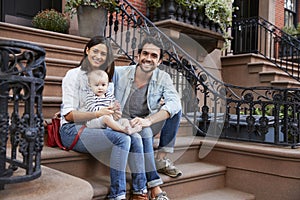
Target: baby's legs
{"type": "Point", "coordinates": [96, 123]}
{"type": "Point", "coordinates": [121, 126]}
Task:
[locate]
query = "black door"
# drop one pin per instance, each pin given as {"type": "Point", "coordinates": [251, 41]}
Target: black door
{"type": "Point", "coordinates": [244, 30]}
{"type": "Point", "coordinates": [22, 11]}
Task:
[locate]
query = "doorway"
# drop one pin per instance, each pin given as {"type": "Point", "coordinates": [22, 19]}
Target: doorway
{"type": "Point", "coordinates": [21, 12]}
{"type": "Point", "coordinates": [244, 30]}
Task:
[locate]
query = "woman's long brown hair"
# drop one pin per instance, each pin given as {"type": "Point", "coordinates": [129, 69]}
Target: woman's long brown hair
{"type": "Point", "coordinates": [109, 63]}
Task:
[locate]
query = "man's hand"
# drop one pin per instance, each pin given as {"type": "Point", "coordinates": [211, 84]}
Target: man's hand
{"type": "Point", "coordinates": [144, 122]}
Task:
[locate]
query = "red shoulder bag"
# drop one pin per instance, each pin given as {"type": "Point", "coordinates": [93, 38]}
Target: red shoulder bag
{"type": "Point", "coordinates": [54, 139]}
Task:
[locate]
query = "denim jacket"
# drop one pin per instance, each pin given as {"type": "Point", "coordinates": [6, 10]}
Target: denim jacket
{"type": "Point", "coordinates": [160, 85]}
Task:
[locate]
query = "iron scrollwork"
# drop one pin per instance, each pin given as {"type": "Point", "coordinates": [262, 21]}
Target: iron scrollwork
{"type": "Point", "coordinates": [22, 74]}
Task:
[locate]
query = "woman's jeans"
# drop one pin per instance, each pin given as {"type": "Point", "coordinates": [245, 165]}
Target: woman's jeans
{"type": "Point", "coordinates": [100, 142]}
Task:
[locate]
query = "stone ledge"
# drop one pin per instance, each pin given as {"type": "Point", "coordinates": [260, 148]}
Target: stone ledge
{"type": "Point", "coordinates": [224, 193]}
{"type": "Point", "coordinates": [52, 185]}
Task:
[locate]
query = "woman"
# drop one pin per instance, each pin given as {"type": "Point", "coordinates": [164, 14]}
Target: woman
{"type": "Point", "coordinates": [98, 55]}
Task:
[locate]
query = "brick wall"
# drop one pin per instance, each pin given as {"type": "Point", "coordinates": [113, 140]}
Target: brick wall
{"type": "Point", "coordinates": [139, 4]}
{"type": "Point", "coordinates": [279, 10]}
{"type": "Point", "coordinates": [279, 13]}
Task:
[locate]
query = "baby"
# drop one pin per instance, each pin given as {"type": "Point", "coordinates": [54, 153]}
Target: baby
{"type": "Point", "coordinates": [99, 97]}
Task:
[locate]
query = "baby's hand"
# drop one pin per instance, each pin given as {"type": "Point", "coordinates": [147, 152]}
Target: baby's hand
{"type": "Point", "coordinates": [116, 105]}
{"type": "Point", "coordinates": [117, 114]}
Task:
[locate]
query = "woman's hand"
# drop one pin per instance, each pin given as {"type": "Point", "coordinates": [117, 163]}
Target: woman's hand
{"type": "Point", "coordinates": [104, 111]}
{"type": "Point", "coordinates": [57, 115]}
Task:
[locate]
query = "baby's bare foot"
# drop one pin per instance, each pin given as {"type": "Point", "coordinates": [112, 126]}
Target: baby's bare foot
{"type": "Point", "coordinates": [137, 128]}
{"type": "Point", "coordinates": [130, 130]}
{"type": "Point", "coordinates": [127, 130]}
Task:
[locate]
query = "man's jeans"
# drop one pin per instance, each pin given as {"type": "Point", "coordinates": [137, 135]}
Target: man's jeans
{"type": "Point", "coordinates": [151, 173]}
{"type": "Point", "coordinates": [169, 129]}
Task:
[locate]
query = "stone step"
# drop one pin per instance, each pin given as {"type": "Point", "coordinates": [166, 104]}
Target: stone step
{"type": "Point", "coordinates": [274, 76]}
{"type": "Point", "coordinates": [56, 51]}
{"type": "Point", "coordinates": [241, 59]}
{"type": "Point", "coordinates": [186, 148]}
{"type": "Point", "coordinates": [197, 177]}
{"type": "Point", "coordinates": [264, 66]}
{"type": "Point", "coordinates": [59, 67]}
{"type": "Point", "coordinates": [79, 164]}
{"type": "Point", "coordinates": [70, 162]}
{"type": "Point", "coordinates": [258, 70]}
{"type": "Point", "coordinates": [271, 74]}
{"type": "Point", "coordinates": [52, 86]}
{"type": "Point", "coordinates": [52, 185]}
{"type": "Point", "coordinates": [51, 105]}
{"type": "Point", "coordinates": [223, 193]}
{"type": "Point", "coordinates": [35, 35]}
{"type": "Point", "coordinates": [286, 84]}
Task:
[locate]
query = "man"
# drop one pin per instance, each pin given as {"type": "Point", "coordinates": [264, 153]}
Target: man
{"type": "Point", "coordinates": [140, 89]}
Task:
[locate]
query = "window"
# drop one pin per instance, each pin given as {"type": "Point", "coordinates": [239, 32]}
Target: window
{"type": "Point", "coordinates": [289, 12]}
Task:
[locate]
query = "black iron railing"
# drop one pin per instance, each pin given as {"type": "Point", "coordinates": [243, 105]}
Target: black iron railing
{"type": "Point", "coordinates": [256, 35]}
{"type": "Point", "coordinates": [213, 108]}
{"type": "Point", "coordinates": [21, 121]}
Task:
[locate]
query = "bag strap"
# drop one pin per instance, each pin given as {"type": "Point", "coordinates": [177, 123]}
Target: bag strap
{"type": "Point", "coordinates": [56, 121]}
{"type": "Point", "coordinates": [76, 138]}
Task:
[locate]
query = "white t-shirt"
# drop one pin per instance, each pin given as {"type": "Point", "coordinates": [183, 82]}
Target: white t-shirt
{"type": "Point", "coordinates": [74, 91]}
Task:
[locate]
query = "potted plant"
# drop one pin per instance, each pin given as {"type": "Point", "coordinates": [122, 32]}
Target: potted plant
{"type": "Point", "coordinates": [219, 11]}
{"type": "Point", "coordinates": [91, 15]}
{"type": "Point", "coordinates": [51, 20]}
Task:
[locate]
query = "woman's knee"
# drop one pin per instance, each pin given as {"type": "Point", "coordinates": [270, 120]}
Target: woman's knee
{"type": "Point", "coordinates": [136, 141]}
{"type": "Point", "coordinates": [125, 140]}
{"type": "Point", "coordinates": [118, 139]}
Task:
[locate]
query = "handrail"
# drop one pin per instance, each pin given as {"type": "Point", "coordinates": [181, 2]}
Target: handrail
{"type": "Point", "coordinates": [207, 101]}
{"type": "Point", "coordinates": [262, 37]}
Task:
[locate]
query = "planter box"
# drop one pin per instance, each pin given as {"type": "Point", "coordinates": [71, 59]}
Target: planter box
{"type": "Point", "coordinates": [239, 130]}
{"type": "Point", "coordinates": [91, 21]}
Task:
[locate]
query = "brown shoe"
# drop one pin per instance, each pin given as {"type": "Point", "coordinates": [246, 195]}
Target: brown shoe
{"type": "Point", "coordinates": [139, 197]}
{"type": "Point", "coordinates": [166, 167]}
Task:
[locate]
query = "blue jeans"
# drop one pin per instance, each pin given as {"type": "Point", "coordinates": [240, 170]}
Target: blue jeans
{"type": "Point", "coordinates": [169, 129]}
{"type": "Point", "coordinates": [136, 163]}
{"type": "Point", "coordinates": [153, 178]}
{"type": "Point", "coordinates": [99, 142]}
